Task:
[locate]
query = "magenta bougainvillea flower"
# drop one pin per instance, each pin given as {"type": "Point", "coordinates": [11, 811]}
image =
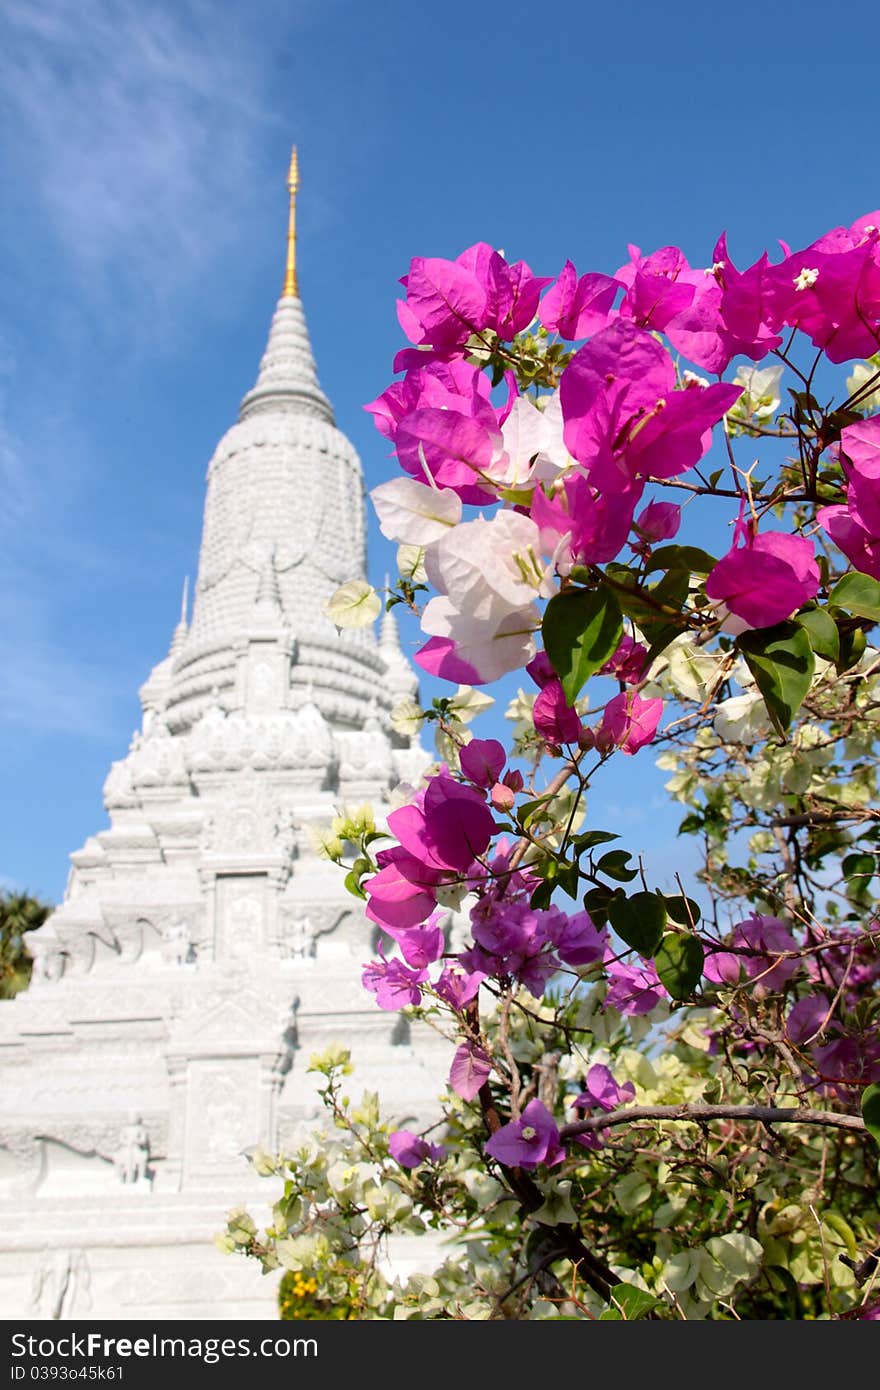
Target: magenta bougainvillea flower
{"type": "Point", "coordinates": [855, 526]}
{"type": "Point", "coordinates": [762, 581]}
{"type": "Point", "coordinates": [403, 891]}
{"type": "Point", "coordinates": [575, 308]}
{"type": "Point", "coordinates": [624, 417]}
{"type": "Point", "coordinates": [553, 717]}
{"type": "Point", "coordinates": [410, 1149]}
{"type": "Point", "coordinates": [447, 826]}
{"type": "Point", "coordinates": [658, 286]}
{"type": "Point", "coordinates": [629, 722]}
{"type": "Point", "coordinates": [659, 521]}
{"type": "Point", "coordinates": [528, 1141]}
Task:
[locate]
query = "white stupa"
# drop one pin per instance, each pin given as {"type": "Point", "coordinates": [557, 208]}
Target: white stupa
{"type": "Point", "coordinates": [204, 950]}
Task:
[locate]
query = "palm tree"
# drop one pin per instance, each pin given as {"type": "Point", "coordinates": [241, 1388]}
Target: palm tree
{"type": "Point", "coordinates": [19, 914]}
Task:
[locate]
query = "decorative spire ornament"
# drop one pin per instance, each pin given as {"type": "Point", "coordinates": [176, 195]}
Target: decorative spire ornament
{"type": "Point", "coordinates": [291, 286]}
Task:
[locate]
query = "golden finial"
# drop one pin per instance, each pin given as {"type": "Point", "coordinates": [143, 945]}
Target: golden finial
{"type": "Point", "coordinates": [290, 283]}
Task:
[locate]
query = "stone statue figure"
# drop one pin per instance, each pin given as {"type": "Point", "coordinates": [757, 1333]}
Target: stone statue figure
{"type": "Point", "coordinates": [300, 938]}
{"type": "Point", "coordinates": [60, 1281]}
{"type": "Point", "coordinates": [178, 946]}
{"type": "Point", "coordinates": [132, 1156]}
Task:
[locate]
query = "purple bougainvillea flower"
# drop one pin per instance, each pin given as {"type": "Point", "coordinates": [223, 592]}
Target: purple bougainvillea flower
{"type": "Point", "coordinates": [457, 986]}
{"type": "Point", "coordinates": [470, 1068]}
{"type": "Point", "coordinates": [756, 946]}
{"type": "Point", "coordinates": [602, 1092]}
{"type": "Point", "coordinates": [807, 1018]}
{"type": "Point", "coordinates": [528, 1141]}
{"type": "Point", "coordinates": [482, 761]}
{"type": "Point", "coordinates": [577, 939]}
{"type": "Point", "coordinates": [392, 983]}
{"type": "Point", "coordinates": [634, 989]}
{"type": "Point", "coordinates": [410, 1149]}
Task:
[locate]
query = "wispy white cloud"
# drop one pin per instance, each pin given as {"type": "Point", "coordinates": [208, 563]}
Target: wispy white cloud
{"type": "Point", "coordinates": [138, 127]}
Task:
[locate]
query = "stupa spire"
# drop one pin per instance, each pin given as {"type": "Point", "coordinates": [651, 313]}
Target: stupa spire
{"type": "Point", "coordinates": [291, 288]}
{"type": "Point", "coordinates": [288, 380]}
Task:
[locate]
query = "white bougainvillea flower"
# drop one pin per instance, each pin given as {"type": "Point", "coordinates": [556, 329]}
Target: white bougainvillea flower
{"type": "Point", "coordinates": [486, 568]}
{"type": "Point", "coordinates": [412, 513]}
{"type": "Point", "coordinates": [355, 604]}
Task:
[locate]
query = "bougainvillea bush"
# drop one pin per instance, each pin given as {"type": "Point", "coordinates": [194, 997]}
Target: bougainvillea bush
{"type": "Point", "coordinates": [652, 496]}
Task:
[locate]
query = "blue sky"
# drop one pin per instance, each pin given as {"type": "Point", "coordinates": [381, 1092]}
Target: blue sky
{"type": "Point", "coordinates": [143, 150]}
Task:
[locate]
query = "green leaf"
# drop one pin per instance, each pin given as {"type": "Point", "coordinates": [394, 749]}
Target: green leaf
{"type": "Point", "coordinates": [628, 1303]}
{"type": "Point", "coordinates": [582, 628]}
{"type": "Point", "coordinates": [684, 911]}
{"type": "Point", "coordinates": [588, 838]}
{"type": "Point", "coordinates": [596, 903]}
{"type": "Point", "coordinates": [542, 894]}
{"type": "Point", "coordinates": [679, 964]}
{"type": "Point", "coordinates": [852, 649]}
{"type": "Point", "coordinates": [614, 865]}
{"type": "Point", "coordinates": [781, 660]}
{"type": "Point", "coordinates": [871, 1111]}
{"type": "Point", "coordinates": [681, 557]}
{"type": "Point", "coordinates": [822, 631]}
{"type": "Point", "coordinates": [639, 921]}
{"type": "Point", "coordinates": [858, 594]}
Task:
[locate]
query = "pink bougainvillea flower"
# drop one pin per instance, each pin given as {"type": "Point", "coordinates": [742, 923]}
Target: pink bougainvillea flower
{"type": "Point", "coordinates": [393, 984]}
{"type": "Point", "coordinates": [419, 946]}
{"type": "Point", "coordinates": [528, 1141]}
{"type": "Point", "coordinates": [445, 302]}
{"type": "Point", "coordinates": [581, 525]}
{"type": "Point", "coordinates": [729, 314]}
{"type": "Point", "coordinates": [629, 722]}
{"type": "Point", "coordinates": [602, 1092]}
{"type": "Point", "coordinates": [765, 579]}
{"type": "Point", "coordinates": [553, 717]}
{"type": "Point", "coordinates": [470, 1068]}
{"type": "Point", "coordinates": [574, 307]}
{"type": "Point", "coordinates": [410, 1149]}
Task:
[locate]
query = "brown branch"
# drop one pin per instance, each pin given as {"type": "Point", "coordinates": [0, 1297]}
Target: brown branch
{"type": "Point", "coordinates": [762, 1114]}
